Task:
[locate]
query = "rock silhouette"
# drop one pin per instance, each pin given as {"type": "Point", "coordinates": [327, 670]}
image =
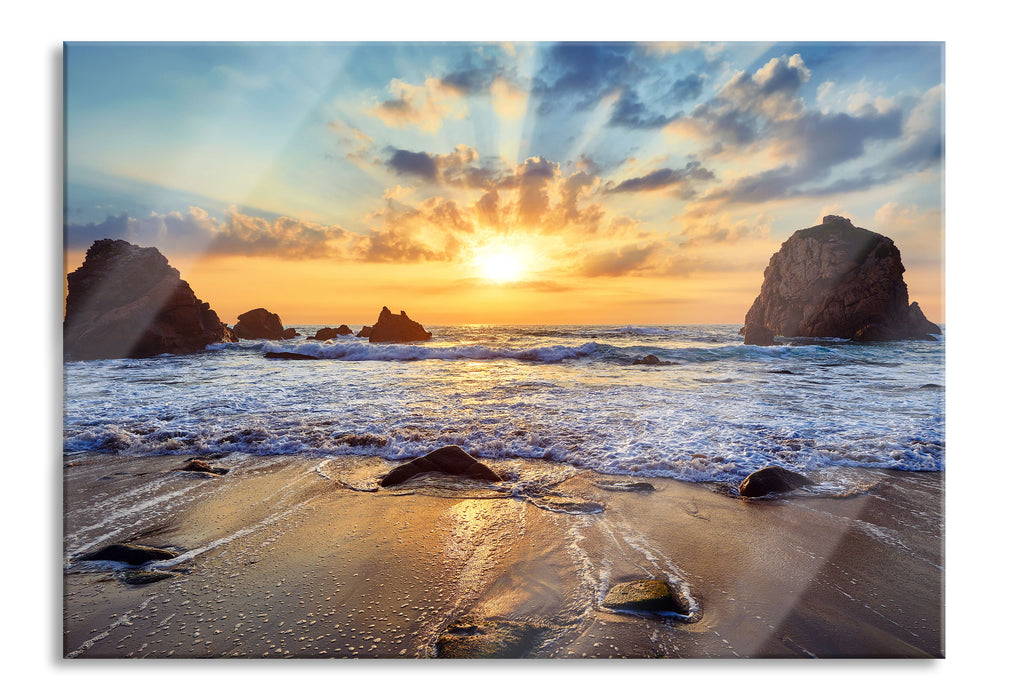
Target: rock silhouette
{"type": "Point", "coordinates": [127, 301]}
{"type": "Point", "coordinates": [396, 329]}
{"type": "Point", "coordinates": [259, 324]}
{"type": "Point", "coordinates": [836, 281]}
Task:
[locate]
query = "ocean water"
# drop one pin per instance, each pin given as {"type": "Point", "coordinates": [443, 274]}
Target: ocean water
{"type": "Point", "coordinates": [569, 395]}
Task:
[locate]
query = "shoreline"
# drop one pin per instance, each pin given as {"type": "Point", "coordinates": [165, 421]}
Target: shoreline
{"type": "Point", "coordinates": [286, 556]}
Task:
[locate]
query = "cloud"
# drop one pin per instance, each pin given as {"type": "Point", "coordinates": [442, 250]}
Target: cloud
{"type": "Point", "coordinates": [421, 106]}
{"type": "Point", "coordinates": [664, 178]}
{"type": "Point", "coordinates": [578, 75]}
{"type": "Point", "coordinates": [173, 231]}
{"type": "Point", "coordinates": [622, 261]}
{"type": "Point", "coordinates": [283, 237]}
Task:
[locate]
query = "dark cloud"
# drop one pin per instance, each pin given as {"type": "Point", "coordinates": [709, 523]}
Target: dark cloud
{"type": "Point", "coordinates": [578, 75]}
{"type": "Point", "coordinates": [663, 178]}
{"type": "Point", "coordinates": [475, 74]}
{"type": "Point", "coordinates": [420, 164]}
{"type": "Point", "coordinates": [688, 88]}
{"type": "Point", "coordinates": [631, 112]}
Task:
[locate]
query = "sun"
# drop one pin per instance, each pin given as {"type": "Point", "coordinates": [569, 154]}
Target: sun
{"type": "Point", "coordinates": [501, 266]}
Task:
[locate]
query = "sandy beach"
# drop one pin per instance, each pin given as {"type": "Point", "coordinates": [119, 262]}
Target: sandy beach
{"type": "Point", "coordinates": [292, 556]}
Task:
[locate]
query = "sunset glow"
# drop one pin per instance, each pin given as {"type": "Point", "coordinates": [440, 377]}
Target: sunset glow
{"type": "Point", "coordinates": [625, 183]}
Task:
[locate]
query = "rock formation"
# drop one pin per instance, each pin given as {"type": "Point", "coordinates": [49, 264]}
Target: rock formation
{"type": "Point", "coordinates": [259, 324]}
{"type": "Point", "coordinates": [328, 333]}
{"type": "Point", "coordinates": [835, 281]}
{"type": "Point", "coordinates": [290, 333]}
{"type": "Point", "coordinates": [127, 301]}
{"type": "Point", "coordinates": [450, 460]}
{"type": "Point", "coordinates": [396, 329]}
{"type": "Point", "coordinates": [771, 480]}
{"type": "Point", "coordinates": [364, 332]}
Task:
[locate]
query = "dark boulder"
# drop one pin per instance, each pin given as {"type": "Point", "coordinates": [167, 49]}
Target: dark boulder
{"type": "Point", "coordinates": [771, 480]}
{"type": "Point", "coordinates": [364, 332]}
{"type": "Point", "coordinates": [328, 333]}
{"type": "Point", "coordinates": [289, 333]}
{"type": "Point", "coordinates": [397, 329]}
{"type": "Point", "coordinates": [127, 301]}
{"type": "Point", "coordinates": [648, 595]}
{"type": "Point", "coordinates": [450, 460]}
{"type": "Point", "coordinates": [132, 554]}
{"type": "Point", "coordinates": [836, 281]}
{"type": "Point", "coordinates": [259, 324]}
{"type": "Point", "coordinates": [755, 334]}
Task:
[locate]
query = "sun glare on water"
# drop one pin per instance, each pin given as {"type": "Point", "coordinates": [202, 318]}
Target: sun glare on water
{"type": "Point", "coordinates": [504, 266]}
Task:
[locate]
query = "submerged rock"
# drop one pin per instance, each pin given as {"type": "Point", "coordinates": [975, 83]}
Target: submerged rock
{"type": "Point", "coordinates": [288, 356]}
{"type": "Point", "coordinates": [259, 324]}
{"type": "Point", "coordinates": [771, 480]}
{"type": "Point", "coordinates": [488, 639]}
{"type": "Point", "coordinates": [640, 486]}
{"type": "Point", "coordinates": [396, 329]}
{"type": "Point", "coordinates": [127, 301]}
{"type": "Point", "coordinates": [132, 554]}
{"type": "Point", "coordinates": [836, 281]}
{"type": "Point", "coordinates": [451, 460]}
{"type": "Point", "coordinates": [648, 595]}
{"type": "Point", "coordinates": [651, 360]}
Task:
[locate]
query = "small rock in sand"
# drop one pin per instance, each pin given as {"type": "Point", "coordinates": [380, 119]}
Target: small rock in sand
{"type": "Point", "coordinates": [647, 595]}
{"type": "Point", "coordinates": [451, 460]}
{"type": "Point", "coordinates": [132, 554]}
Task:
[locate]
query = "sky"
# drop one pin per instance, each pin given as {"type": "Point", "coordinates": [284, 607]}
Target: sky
{"type": "Point", "coordinates": [500, 182]}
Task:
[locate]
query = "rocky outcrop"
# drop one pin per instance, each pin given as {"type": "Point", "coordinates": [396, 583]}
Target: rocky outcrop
{"type": "Point", "coordinates": [127, 301]}
{"type": "Point", "coordinates": [259, 324]}
{"type": "Point", "coordinates": [836, 281]}
{"type": "Point", "coordinates": [771, 480]}
{"type": "Point", "coordinates": [328, 333]}
{"type": "Point", "coordinates": [364, 332]}
{"type": "Point", "coordinates": [450, 460]}
{"type": "Point", "coordinates": [289, 333]}
{"type": "Point", "coordinates": [396, 329]}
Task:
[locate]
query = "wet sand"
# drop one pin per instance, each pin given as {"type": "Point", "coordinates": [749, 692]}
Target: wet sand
{"type": "Point", "coordinates": [300, 557]}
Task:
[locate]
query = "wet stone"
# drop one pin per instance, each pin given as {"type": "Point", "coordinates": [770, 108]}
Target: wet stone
{"type": "Point", "coordinates": [640, 486]}
{"type": "Point", "coordinates": [647, 595]}
{"type": "Point", "coordinates": [488, 639]}
{"type": "Point", "coordinates": [131, 554]}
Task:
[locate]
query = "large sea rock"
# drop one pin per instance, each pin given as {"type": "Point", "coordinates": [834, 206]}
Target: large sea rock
{"type": "Point", "coordinates": [127, 301]}
{"type": "Point", "coordinates": [259, 324]}
{"type": "Point", "coordinates": [836, 281]}
{"type": "Point", "coordinates": [396, 329]}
